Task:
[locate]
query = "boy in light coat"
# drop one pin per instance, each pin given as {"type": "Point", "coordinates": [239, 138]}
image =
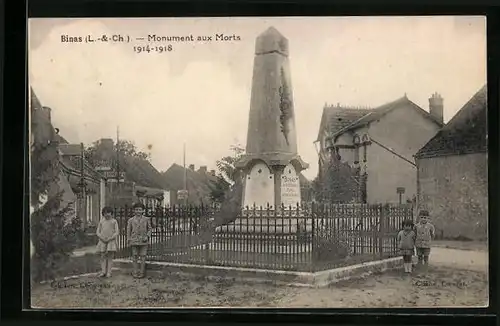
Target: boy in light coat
{"type": "Point", "coordinates": [425, 234]}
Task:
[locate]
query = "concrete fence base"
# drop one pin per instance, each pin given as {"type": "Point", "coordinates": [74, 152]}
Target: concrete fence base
{"type": "Point", "coordinates": [317, 279]}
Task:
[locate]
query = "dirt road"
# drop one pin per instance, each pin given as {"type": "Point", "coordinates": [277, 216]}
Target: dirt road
{"type": "Point", "coordinates": [455, 278]}
{"type": "Point", "coordinates": [437, 287]}
{"type": "Point", "coordinates": [460, 259]}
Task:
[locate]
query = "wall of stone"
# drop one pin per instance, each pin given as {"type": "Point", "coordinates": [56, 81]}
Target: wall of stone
{"type": "Point", "coordinates": [455, 191]}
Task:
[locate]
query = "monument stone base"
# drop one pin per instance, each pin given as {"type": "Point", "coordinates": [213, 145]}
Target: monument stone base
{"type": "Point", "coordinates": [267, 225]}
{"type": "Point", "coordinates": [266, 234]}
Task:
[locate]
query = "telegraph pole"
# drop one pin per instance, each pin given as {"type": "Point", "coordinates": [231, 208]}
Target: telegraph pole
{"type": "Point", "coordinates": [185, 174]}
{"type": "Point", "coordinates": [117, 161]}
{"type": "Point", "coordinates": [117, 155]}
{"type": "Point", "coordinates": [83, 186]}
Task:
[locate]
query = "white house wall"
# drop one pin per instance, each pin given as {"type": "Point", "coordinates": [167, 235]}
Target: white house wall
{"type": "Point", "coordinates": [405, 131]}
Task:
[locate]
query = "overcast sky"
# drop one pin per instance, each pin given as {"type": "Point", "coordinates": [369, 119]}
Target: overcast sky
{"type": "Point", "coordinates": [200, 92]}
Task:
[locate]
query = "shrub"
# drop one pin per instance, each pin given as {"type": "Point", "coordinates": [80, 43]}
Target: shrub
{"type": "Point", "coordinates": [88, 236]}
{"type": "Point", "coordinates": [330, 249]}
{"type": "Point", "coordinates": [331, 245]}
{"type": "Point", "coordinates": [54, 239]}
{"type": "Point", "coordinates": [53, 235]}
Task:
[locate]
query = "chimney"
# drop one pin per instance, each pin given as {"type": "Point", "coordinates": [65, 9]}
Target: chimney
{"type": "Point", "coordinates": [191, 166]}
{"type": "Point", "coordinates": [212, 172]}
{"type": "Point", "coordinates": [107, 144]}
{"type": "Point", "coordinates": [436, 107]}
{"type": "Point", "coordinates": [203, 169]}
{"type": "Point", "coordinates": [106, 150]}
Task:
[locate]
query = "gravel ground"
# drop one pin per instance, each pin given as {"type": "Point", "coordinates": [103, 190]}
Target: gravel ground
{"type": "Point", "coordinates": [455, 278]}
{"type": "Point", "coordinates": [439, 286]}
{"type": "Point", "coordinates": [460, 259]}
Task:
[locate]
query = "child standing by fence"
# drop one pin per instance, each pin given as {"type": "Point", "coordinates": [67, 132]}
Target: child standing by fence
{"type": "Point", "coordinates": [425, 234]}
{"type": "Point", "coordinates": [107, 231]}
{"type": "Point", "coordinates": [406, 243]}
{"type": "Point", "coordinates": [138, 234]}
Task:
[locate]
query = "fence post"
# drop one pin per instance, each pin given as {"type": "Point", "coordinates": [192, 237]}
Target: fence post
{"type": "Point", "coordinates": [375, 228]}
{"type": "Point", "coordinates": [382, 232]}
{"type": "Point", "coordinates": [206, 253]}
{"type": "Point", "coordinates": [313, 230]}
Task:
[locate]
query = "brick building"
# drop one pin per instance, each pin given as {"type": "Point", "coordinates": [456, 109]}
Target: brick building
{"type": "Point", "coordinates": [370, 151]}
{"type": "Point", "coordinates": [452, 173]}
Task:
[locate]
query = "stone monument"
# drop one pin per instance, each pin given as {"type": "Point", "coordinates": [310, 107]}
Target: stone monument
{"type": "Point", "coordinates": [271, 165]}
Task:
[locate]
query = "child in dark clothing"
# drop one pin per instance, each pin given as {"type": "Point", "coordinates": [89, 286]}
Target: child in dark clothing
{"type": "Point", "coordinates": [406, 244]}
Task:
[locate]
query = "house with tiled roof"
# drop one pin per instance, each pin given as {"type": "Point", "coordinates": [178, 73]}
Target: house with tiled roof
{"type": "Point", "coordinates": [199, 183]}
{"type": "Point", "coordinates": [83, 188]}
{"type": "Point", "coordinates": [88, 184]}
{"type": "Point", "coordinates": [139, 180]}
{"type": "Point", "coordinates": [41, 129]}
{"type": "Point", "coordinates": [372, 149]}
{"type": "Point", "coordinates": [453, 173]}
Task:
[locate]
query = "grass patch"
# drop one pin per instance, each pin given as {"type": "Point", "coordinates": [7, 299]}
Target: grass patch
{"type": "Point", "coordinates": [88, 263]}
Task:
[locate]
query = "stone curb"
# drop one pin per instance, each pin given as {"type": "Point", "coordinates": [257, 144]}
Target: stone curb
{"type": "Point", "coordinates": [74, 277]}
{"type": "Point", "coordinates": [276, 277]}
{"type": "Point", "coordinates": [318, 279]}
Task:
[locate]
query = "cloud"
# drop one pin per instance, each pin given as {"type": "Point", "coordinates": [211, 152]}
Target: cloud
{"type": "Point", "coordinates": [101, 87]}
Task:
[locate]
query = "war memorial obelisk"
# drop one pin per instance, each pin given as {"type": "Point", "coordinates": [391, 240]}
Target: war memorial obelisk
{"type": "Point", "coordinates": [271, 164]}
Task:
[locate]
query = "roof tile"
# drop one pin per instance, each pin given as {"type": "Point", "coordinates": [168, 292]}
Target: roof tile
{"type": "Point", "coordinates": [70, 149]}
{"type": "Point", "coordinates": [342, 119]}
{"type": "Point", "coordinates": [198, 185]}
{"type": "Point", "coordinates": [465, 133]}
{"type": "Point", "coordinates": [142, 172]}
